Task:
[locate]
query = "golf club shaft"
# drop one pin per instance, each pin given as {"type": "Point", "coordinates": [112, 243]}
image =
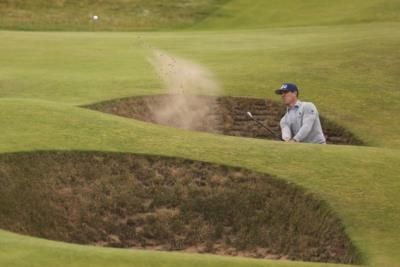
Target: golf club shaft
{"type": "Point", "coordinates": [265, 127]}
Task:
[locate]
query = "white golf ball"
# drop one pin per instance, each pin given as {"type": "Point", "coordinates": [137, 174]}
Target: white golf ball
{"type": "Point", "coordinates": [95, 17]}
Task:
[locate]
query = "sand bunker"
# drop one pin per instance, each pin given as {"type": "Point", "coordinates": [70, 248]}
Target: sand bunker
{"type": "Point", "coordinates": [223, 115]}
{"type": "Point", "coordinates": [137, 201]}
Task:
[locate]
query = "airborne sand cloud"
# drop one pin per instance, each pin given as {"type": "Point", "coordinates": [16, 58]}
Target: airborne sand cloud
{"type": "Point", "coordinates": [182, 80]}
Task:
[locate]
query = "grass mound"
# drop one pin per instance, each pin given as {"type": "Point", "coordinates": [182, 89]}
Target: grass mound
{"type": "Point", "coordinates": [127, 200]}
{"type": "Point", "coordinates": [223, 115]}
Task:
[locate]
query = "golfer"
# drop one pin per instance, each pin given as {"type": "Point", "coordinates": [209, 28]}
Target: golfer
{"type": "Point", "coordinates": [301, 122]}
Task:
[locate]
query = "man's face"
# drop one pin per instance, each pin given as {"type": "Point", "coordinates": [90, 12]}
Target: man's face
{"type": "Point", "coordinates": [289, 97]}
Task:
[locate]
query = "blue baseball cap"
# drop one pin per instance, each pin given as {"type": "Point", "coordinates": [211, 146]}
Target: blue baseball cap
{"type": "Point", "coordinates": [287, 87]}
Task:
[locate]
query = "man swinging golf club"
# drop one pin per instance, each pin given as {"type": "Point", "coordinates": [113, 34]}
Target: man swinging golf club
{"type": "Point", "coordinates": [301, 122]}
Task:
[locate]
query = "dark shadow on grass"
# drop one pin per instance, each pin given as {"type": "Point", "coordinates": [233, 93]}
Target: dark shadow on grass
{"type": "Point", "coordinates": [153, 202]}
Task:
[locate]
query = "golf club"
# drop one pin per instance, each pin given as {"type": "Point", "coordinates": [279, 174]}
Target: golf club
{"type": "Point", "coordinates": [262, 125]}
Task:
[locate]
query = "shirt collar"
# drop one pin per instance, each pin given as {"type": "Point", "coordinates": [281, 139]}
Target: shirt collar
{"type": "Point", "coordinates": [298, 103]}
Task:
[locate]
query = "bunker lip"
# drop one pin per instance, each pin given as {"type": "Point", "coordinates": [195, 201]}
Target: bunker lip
{"type": "Point", "coordinates": [141, 201]}
{"type": "Point", "coordinates": [216, 114]}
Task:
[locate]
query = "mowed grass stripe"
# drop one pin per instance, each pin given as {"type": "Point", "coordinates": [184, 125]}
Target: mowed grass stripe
{"type": "Point", "coordinates": [240, 14]}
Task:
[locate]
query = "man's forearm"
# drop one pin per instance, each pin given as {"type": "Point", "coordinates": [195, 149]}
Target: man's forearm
{"type": "Point", "coordinates": [305, 129]}
{"type": "Point", "coordinates": [286, 133]}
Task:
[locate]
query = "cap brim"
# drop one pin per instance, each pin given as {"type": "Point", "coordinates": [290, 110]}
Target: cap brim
{"type": "Point", "coordinates": [279, 91]}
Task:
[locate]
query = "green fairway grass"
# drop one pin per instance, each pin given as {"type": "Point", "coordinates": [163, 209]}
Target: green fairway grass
{"type": "Point", "coordinates": [349, 71]}
{"type": "Point", "coordinates": [345, 60]}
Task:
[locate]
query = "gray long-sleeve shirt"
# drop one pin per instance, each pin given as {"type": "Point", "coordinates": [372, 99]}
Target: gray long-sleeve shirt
{"type": "Point", "coordinates": [301, 123]}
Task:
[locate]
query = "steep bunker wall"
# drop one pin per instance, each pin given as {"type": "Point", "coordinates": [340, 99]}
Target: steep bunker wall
{"type": "Point", "coordinates": [139, 201]}
{"type": "Point", "coordinates": [222, 115]}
